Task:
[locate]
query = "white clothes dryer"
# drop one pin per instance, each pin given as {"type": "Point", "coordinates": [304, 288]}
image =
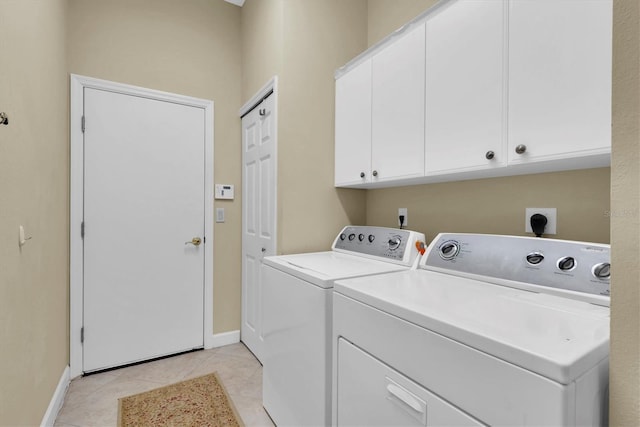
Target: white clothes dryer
{"type": "Point", "coordinates": [491, 330]}
{"type": "Point", "coordinates": [297, 316]}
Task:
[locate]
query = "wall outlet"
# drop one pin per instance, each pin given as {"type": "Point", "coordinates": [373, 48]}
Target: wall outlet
{"type": "Point", "coordinates": [403, 211]}
{"type": "Point", "coordinates": [550, 213]}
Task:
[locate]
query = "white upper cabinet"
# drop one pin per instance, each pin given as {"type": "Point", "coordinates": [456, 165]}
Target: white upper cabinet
{"type": "Point", "coordinates": [397, 110]}
{"type": "Point", "coordinates": [479, 88]}
{"type": "Point", "coordinates": [559, 80]}
{"type": "Point", "coordinates": [353, 126]}
{"type": "Point", "coordinates": [465, 96]}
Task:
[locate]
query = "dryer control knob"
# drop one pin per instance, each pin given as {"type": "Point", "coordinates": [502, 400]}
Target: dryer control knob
{"type": "Point", "coordinates": [449, 249]}
{"type": "Point", "coordinates": [361, 237]}
{"type": "Point", "coordinates": [371, 238]}
{"type": "Point", "coordinates": [352, 236]}
{"type": "Point", "coordinates": [535, 258]}
{"type": "Point", "coordinates": [601, 271]}
{"type": "Point", "coordinates": [567, 263]}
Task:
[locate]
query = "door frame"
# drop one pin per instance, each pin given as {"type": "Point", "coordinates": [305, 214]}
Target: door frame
{"type": "Point", "coordinates": [76, 273]}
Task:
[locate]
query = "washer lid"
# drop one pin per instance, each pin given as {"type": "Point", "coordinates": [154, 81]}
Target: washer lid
{"type": "Point", "coordinates": [556, 337]}
{"type": "Point", "coordinates": [323, 268]}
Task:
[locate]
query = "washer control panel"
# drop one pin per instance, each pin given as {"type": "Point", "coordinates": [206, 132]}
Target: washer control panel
{"type": "Point", "coordinates": [390, 244]}
{"type": "Point", "coordinates": [576, 269]}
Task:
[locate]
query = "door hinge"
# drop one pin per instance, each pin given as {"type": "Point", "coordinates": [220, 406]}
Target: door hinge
{"type": "Point", "coordinates": [204, 239]}
{"type": "Point", "coordinates": [82, 335]}
{"type": "Point", "coordinates": [82, 124]}
{"type": "Point", "coordinates": [82, 230]}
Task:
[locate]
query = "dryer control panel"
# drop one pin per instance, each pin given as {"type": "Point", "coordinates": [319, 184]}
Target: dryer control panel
{"type": "Point", "coordinates": [390, 244]}
{"type": "Point", "coordinates": [578, 270]}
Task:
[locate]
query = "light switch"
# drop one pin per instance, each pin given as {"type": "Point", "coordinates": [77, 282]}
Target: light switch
{"type": "Point", "coordinates": [219, 214]}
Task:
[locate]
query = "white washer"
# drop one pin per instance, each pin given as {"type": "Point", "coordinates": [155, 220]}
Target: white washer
{"type": "Point", "coordinates": [297, 316]}
{"type": "Point", "coordinates": [491, 330]}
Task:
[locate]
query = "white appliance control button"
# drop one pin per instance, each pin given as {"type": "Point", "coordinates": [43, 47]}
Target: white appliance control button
{"type": "Point", "coordinates": [352, 236]}
{"type": "Point", "coordinates": [371, 238]}
{"type": "Point", "coordinates": [449, 249]}
{"type": "Point", "coordinates": [567, 263]}
{"type": "Point", "coordinates": [535, 258]}
{"type": "Point", "coordinates": [361, 237]}
{"type": "Point", "coordinates": [602, 271]}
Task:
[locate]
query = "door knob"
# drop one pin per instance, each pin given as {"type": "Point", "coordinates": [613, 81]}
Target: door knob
{"type": "Point", "coordinates": [520, 149]}
{"type": "Point", "coordinates": [490, 155]}
{"type": "Point", "coordinates": [195, 241]}
{"type": "Point", "coordinates": [264, 250]}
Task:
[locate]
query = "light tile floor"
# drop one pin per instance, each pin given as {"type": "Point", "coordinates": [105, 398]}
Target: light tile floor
{"type": "Point", "coordinates": [93, 400]}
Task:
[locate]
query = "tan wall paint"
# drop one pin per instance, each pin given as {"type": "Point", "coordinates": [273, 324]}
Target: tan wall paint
{"type": "Point", "coordinates": [625, 221]}
{"type": "Point", "coordinates": [317, 36]}
{"type": "Point", "coordinates": [34, 164]}
{"type": "Point", "coordinates": [190, 48]}
{"type": "Point", "coordinates": [386, 16]}
{"type": "Point", "coordinates": [497, 205]}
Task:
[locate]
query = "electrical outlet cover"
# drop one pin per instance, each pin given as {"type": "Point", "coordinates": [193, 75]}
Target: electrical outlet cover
{"type": "Point", "coordinates": [550, 213]}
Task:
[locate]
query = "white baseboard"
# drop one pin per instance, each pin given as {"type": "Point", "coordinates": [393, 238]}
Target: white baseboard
{"type": "Point", "coordinates": [56, 400]}
{"type": "Point", "coordinates": [223, 338]}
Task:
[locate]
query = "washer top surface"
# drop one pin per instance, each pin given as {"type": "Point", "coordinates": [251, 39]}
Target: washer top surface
{"type": "Point", "coordinates": [323, 268]}
{"type": "Point", "coordinates": [556, 337]}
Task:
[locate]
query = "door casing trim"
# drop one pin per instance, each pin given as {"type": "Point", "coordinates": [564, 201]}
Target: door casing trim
{"type": "Point", "coordinates": [76, 203]}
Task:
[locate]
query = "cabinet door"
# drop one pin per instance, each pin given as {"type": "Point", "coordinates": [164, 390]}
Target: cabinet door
{"type": "Point", "coordinates": [398, 108]}
{"type": "Point", "coordinates": [465, 87]}
{"type": "Point", "coordinates": [559, 78]}
{"type": "Point", "coordinates": [353, 126]}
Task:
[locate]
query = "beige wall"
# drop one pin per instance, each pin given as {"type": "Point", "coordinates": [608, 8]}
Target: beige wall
{"type": "Point", "coordinates": [190, 48]}
{"type": "Point", "coordinates": [497, 205]}
{"type": "Point", "coordinates": [624, 380]}
{"type": "Point", "coordinates": [33, 192]}
{"type": "Point", "coordinates": [315, 38]}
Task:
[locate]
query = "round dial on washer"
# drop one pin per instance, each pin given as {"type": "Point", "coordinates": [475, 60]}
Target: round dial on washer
{"type": "Point", "coordinates": [343, 236]}
{"type": "Point", "coordinates": [361, 237]}
{"type": "Point", "coordinates": [535, 258]}
{"type": "Point", "coordinates": [602, 271]}
{"type": "Point", "coordinates": [352, 236]}
{"type": "Point", "coordinates": [449, 249]}
{"type": "Point", "coordinates": [394, 242]}
{"type": "Point", "coordinates": [567, 263]}
{"type": "Point", "coordinates": [371, 238]}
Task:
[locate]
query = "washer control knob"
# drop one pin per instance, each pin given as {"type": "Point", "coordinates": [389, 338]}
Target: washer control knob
{"type": "Point", "coordinates": [567, 263]}
{"type": "Point", "coordinates": [352, 236]}
{"type": "Point", "coordinates": [535, 258]}
{"type": "Point", "coordinates": [361, 237]}
{"type": "Point", "coordinates": [343, 236]}
{"type": "Point", "coordinates": [449, 249]}
{"type": "Point", "coordinates": [394, 242]}
{"type": "Point", "coordinates": [371, 238]}
{"type": "Point", "coordinates": [601, 271]}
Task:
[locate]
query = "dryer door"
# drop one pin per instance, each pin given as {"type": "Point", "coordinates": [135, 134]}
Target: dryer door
{"type": "Point", "coordinates": [373, 394]}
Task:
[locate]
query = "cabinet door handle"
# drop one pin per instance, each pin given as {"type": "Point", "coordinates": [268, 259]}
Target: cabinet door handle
{"type": "Point", "coordinates": [361, 174]}
{"type": "Point", "coordinates": [375, 173]}
{"type": "Point", "coordinates": [521, 148]}
{"type": "Point", "coordinates": [490, 155]}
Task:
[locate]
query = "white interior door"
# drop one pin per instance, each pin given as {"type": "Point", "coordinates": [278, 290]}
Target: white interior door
{"type": "Point", "coordinates": [144, 197]}
{"type": "Point", "coordinates": [259, 214]}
